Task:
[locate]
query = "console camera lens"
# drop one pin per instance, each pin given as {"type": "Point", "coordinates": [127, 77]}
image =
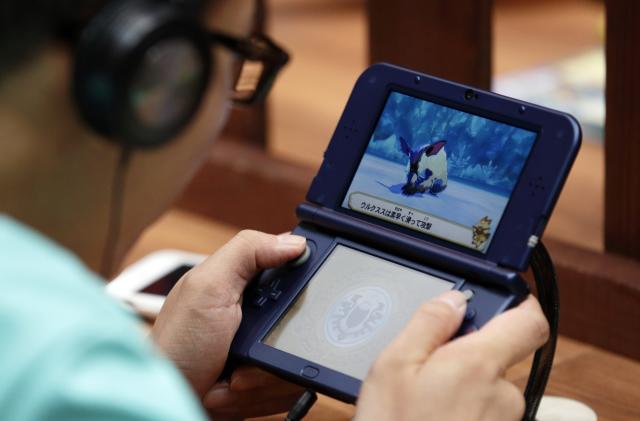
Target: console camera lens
{"type": "Point", "coordinates": [469, 94]}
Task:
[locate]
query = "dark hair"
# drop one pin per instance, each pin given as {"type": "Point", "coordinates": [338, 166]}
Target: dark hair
{"type": "Point", "coordinates": [26, 26]}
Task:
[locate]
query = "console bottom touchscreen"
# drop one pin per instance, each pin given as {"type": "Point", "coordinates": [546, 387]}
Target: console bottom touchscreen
{"type": "Point", "coordinates": [353, 306]}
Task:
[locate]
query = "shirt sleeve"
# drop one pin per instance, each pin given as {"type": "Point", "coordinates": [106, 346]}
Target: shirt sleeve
{"type": "Point", "coordinates": [105, 376]}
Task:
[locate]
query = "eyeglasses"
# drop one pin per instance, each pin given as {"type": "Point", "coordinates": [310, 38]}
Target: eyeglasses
{"type": "Point", "coordinates": [262, 60]}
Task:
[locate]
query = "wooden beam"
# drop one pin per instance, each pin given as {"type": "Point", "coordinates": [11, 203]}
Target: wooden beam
{"type": "Point", "coordinates": [622, 128]}
{"type": "Point", "coordinates": [599, 297]}
{"type": "Point", "coordinates": [243, 186]}
{"type": "Point", "coordinates": [249, 125]}
{"type": "Point", "coordinates": [450, 39]}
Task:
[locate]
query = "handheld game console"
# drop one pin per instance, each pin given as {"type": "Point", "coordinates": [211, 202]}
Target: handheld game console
{"type": "Point", "coordinates": [427, 186]}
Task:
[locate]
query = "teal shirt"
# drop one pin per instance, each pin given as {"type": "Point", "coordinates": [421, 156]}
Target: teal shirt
{"type": "Point", "coordinates": [67, 351]}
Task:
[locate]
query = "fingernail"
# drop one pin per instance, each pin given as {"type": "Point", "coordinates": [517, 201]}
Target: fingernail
{"type": "Point", "coordinates": [455, 299]}
{"type": "Point", "coordinates": [291, 241]}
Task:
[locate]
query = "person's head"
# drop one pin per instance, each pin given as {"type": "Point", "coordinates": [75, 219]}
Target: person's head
{"type": "Point", "coordinates": [56, 173]}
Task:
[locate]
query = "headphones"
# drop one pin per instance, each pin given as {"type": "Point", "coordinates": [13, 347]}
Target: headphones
{"type": "Point", "coordinates": [141, 69]}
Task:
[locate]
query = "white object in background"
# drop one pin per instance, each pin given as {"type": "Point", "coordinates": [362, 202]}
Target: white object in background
{"type": "Point", "coordinates": [127, 286]}
{"type": "Point", "coordinates": [554, 408]}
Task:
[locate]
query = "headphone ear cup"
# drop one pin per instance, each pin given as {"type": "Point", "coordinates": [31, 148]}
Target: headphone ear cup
{"type": "Point", "coordinates": [141, 69]}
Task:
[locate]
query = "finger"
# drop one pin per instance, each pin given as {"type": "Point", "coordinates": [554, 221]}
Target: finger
{"type": "Point", "coordinates": [252, 403]}
{"type": "Point", "coordinates": [247, 378]}
{"type": "Point", "coordinates": [510, 337]}
{"type": "Point", "coordinates": [431, 326]}
{"type": "Point", "coordinates": [507, 403]}
{"type": "Point", "coordinates": [249, 252]}
{"type": "Point", "coordinates": [242, 411]}
{"type": "Point", "coordinates": [219, 416]}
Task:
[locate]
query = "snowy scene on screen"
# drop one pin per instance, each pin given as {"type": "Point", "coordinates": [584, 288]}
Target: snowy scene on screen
{"type": "Point", "coordinates": [439, 171]}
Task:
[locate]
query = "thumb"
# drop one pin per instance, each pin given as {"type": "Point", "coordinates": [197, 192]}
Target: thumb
{"type": "Point", "coordinates": [431, 326]}
{"type": "Point", "coordinates": [249, 252]}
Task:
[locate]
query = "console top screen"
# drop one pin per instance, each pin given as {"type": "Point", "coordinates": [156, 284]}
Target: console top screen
{"type": "Point", "coordinates": [439, 171]}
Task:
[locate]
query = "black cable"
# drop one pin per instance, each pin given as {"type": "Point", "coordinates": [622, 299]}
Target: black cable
{"type": "Point", "coordinates": [115, 212]}
{"type": "Point", "coordinates": [549, 297]}
{"type": "Point", "coordinates": [302, 406]}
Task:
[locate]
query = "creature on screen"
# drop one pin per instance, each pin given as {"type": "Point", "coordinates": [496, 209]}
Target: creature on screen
{"type": "Point", "coordinates": [481, 232]}
{"type": "Point", "coordinates": [427, 168]}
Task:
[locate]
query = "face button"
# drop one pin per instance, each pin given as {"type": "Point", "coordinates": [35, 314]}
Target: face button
{"type": "Point", "coordinates": [274, 283]}
{"type": "Point", "coordinates": [259, 301]}
{"type": "Point", "coordinates": [275, 294]}
{"type": "Point", "coordinates": [470, 314]}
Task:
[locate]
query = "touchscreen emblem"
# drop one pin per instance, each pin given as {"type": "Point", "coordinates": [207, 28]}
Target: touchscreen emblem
{"type": "Point", "coordinates": [356, 316]}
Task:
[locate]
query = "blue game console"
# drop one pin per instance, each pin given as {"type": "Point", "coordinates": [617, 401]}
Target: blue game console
{"type": "Point", "coordinates": [427, 186]}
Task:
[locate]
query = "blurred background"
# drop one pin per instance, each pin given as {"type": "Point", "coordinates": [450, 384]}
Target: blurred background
{"type": "Point", "coordinates": [550, 52]}
{"type": "Point", "coordinates": [547, 52]}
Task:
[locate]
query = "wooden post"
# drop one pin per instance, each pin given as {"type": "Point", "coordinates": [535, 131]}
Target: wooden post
{"type": "Point", "coordinates": [622, 143]}
{"type": "Point", "coordinates": [450, 39]}
{"type": "Point", "coordinates": [249, 125]}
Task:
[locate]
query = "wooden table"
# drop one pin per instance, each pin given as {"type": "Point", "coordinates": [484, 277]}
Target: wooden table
{"type": "Point", "coordinates": [608, 383]}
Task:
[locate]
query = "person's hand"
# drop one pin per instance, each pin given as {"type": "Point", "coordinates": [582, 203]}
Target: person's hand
{"type": "Point", "coordinates": [250, 392]}
{"type": "Point", "coordinates": [420, 376]}
{"type": "Point", "coordinates": [202, 313]}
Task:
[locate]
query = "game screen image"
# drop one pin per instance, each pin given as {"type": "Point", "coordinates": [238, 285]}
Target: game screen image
{"type": "Point", "coordinates": [439, 171]}
{"type": "Point", "coordinates": [352, 307]}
